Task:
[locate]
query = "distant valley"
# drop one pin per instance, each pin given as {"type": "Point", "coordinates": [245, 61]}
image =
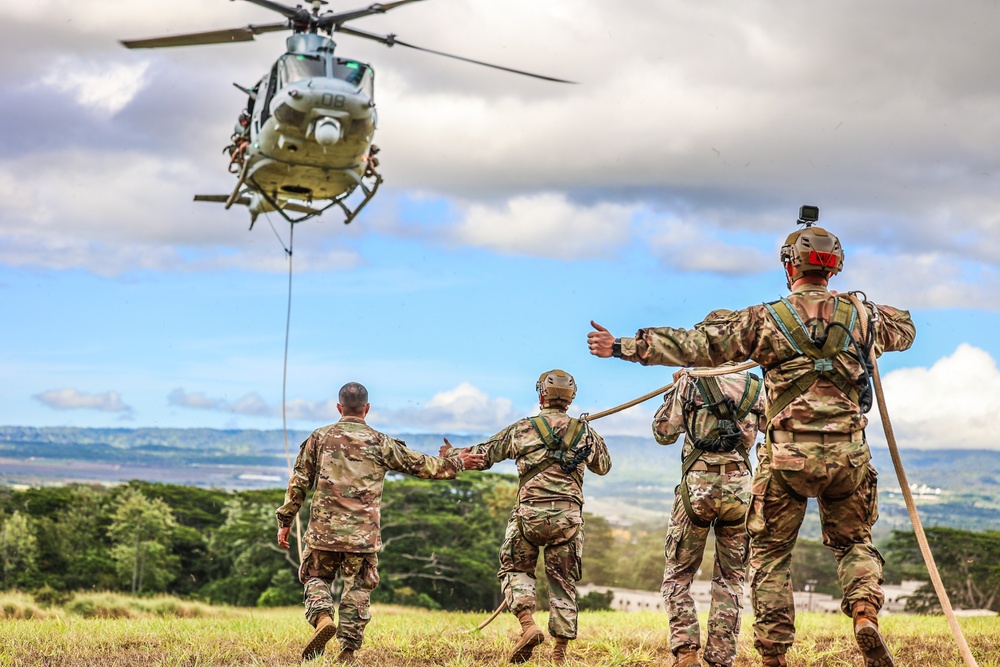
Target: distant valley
{"type": "Point", "coordinates": [957, 488]}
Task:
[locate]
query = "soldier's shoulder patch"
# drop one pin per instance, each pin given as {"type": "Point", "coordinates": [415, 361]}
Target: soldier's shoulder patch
{"type": "Point", "coordinates": [891, 312]}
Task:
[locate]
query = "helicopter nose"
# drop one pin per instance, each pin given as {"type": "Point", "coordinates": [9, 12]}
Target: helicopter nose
{"type": "Point", "coordinates": [327, 132]}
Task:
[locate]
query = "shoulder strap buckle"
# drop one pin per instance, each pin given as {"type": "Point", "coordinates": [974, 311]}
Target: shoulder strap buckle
{"type": "Point", "coordinates": [823, 365]}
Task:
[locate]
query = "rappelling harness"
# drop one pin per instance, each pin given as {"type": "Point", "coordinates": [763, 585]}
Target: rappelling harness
{"type": "Point", "coordinates": [565, 451]}
{"type": "Point", "coordinates": [821, 352]}
{"type": "Point", "coordinates": [725, 437]}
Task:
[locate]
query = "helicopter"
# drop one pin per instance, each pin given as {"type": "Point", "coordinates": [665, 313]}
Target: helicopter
{"type": "Point", "coordinates": [304, 142]}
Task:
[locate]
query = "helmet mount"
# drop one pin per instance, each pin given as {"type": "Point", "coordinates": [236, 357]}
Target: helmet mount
{"type": "Point", "coordinates": [812, 248]}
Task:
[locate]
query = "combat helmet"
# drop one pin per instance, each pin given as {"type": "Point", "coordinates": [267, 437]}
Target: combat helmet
{"type": "Point", "coordinates": [812, 248]}
{"type": "Point", "coordinates": [556, 384]}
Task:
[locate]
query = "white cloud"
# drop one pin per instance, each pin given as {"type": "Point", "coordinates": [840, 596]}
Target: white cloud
{"type": "Point", "coordinates": [105, 87]}
{"type": "Point", "coordinates": [546, 225]}
{"type": "Point", "coordinates": [74, 399]}
{"type": "Point", "coordinates": [464, 409]}
{"type": "Point", "coordinates": [719, 109]}
{"type": "Point", "coordinates": [690, 246]}
{"type": "Point", "coordinates": [954, 404]}
{"type": "Point", "coordinates": [921, 280]}
{"type": "Point", "coordinates": [313, 411]}
{"type": "Point", "coordinates": [194, 400]}
{"type": "Point", "coordinates": [111, 213]}
{"type": "Point", "coordinates": [249, 405]}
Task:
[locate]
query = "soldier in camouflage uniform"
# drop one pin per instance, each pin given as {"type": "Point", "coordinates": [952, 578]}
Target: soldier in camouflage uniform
{"type": "Point", "coordinates": [720, 416]}
{"type": "Point", "coordinates": [813, 355]}
{"type": "Point", "coordinates": [551, 450]}
{"type": "Point", "coordinates": [346, 462]}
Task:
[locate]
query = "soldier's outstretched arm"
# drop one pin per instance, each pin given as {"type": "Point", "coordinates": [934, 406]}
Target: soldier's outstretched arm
{"type": "Point", "coordinates": [395, 455]}
{"type": "Point", "coordinates": [496, 449]}
{"type": "Point", "coordinates": [729, 336]}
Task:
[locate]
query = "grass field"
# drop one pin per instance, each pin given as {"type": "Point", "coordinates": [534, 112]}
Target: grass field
{"type": "Point", "coordinates": [405, 636]}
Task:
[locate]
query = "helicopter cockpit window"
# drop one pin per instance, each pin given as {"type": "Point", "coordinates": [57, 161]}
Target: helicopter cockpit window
{"type": "Point", "coordinates": [295, 67]}
{"type": "Point", "coordinates": [357, 74]}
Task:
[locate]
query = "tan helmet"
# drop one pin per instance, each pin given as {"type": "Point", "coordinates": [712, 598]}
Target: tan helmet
{"type": "Point", "coordinates": [556, 384]}
{"type": "Point", "coordinates": [813, 249]}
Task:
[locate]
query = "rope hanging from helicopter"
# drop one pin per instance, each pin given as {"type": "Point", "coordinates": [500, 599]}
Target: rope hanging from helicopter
{"type": "Point", "coordinates": [289, 251]}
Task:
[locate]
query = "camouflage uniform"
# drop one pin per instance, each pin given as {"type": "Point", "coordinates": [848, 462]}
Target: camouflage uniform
{"type": "Point", "coordinates": [549, 514]}
{"type": "Point", "coordinates": [815, 447]}
{"type": "Point", "coordinates": [719, 490]}
{"type": "Point", "coordinates": [347, 462]}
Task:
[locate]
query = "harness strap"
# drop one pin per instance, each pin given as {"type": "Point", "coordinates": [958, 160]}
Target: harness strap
{"type": "Point", "coordinates": [712, 395]}
{"type": "Point", "coordinates": [750, 394]}
{"type": "Point", "coordinates": [554, 444]}
{"type": "Point", "coordinates": [733, 522]}
{"type": "Point", "coordinates": [714, 399]}
{"type": "Point", "coordinates": [837, 340]}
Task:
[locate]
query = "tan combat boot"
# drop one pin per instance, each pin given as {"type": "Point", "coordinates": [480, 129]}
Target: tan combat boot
{"type": "Point", "coordinates": [530, 637]}
{"type": "Point", "coordinates": [869, 640]}
{"type": "Point", "coordinates": [325, 630]}
{"type": "Point", "coordinates": [559, 651]}
{"type": "Point", "coordinates": [687, 656]}
{"type": "Point", "coordinates": [773, 661]}
{"type": "Point", "coordinates": [346, 655]}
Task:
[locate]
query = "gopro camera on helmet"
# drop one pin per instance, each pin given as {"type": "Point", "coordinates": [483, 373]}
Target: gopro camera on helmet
{"type": "Point", "coordinates": [808, 215]}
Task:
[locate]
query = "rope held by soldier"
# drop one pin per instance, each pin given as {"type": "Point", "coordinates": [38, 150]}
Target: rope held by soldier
{"type": "Point", "coordinates": [911, 508]}
{"type": "Point", "coordinates": [624, 406]}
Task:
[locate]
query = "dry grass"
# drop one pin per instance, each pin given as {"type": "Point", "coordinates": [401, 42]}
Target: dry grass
{"type": "Point", "coordinates": [16, 606]}
{"type": "Point", "coordinates": [403, 636]}
{"type": "Point", "coordinates": [114, 605]}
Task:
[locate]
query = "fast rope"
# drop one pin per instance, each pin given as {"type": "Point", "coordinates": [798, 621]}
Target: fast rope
{"type": "Point", "coordinates": [911, 508]}
{"type": "Point", "coordinates": [694, 372]}
{"type": "Point", "coordinates": [284, 376]}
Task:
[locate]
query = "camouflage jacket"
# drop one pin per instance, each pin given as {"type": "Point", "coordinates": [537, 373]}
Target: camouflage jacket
{"type": "Point", "coordinates": [674, 416]}
{"type": "Point", "coordinates": [521, 442]}
{"type": "Point", "coordinates": [346, 462]}
{"type": "Point", "coordinates": [752, 333]}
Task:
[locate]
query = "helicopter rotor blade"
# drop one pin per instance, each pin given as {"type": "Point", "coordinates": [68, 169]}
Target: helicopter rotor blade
{"type": "Point", "coordinates": [331, 20]}
{"type": "Point", "coordinates": [211, 37]}
{"type": "Point", "coordinates": [390, 40]}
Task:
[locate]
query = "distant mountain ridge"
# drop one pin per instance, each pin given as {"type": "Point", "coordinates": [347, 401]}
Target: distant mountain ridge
{"type": "Point", "coordinates": [961, 488]}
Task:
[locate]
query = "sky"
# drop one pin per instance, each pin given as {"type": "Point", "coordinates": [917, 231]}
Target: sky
{"type": "Point", "coordinates": [513, 211]}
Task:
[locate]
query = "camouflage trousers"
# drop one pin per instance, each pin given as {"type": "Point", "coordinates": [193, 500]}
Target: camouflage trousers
{"type": "Point", "coordinates": [558, 529]}
{"type": "Point", "coordinates": [722, 498]}
{"type": "Point", "coordinates": [359, 572]}
{"type": "Point", "coordinates": [846, 490]}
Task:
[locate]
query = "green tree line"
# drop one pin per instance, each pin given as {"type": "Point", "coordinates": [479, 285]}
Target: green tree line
{"type": "Point", "coordinates": [441, 541]}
